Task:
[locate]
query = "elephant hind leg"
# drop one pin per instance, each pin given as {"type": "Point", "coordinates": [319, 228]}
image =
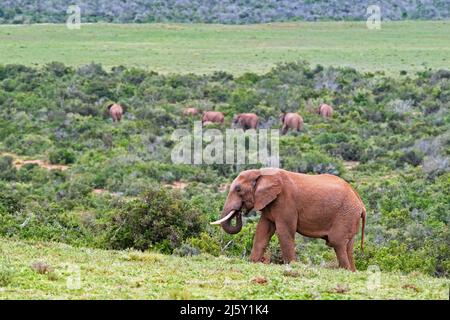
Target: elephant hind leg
{"type": "Point", "coordinates": [341, 253]}
{"type": "Point", "coordinates": [350, 254]}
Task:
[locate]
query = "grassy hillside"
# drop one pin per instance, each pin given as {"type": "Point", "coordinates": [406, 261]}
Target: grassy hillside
{"type": "Point", "coordinates": [184, 48]}
{"type": "Point", "coordinates": [41, 270]}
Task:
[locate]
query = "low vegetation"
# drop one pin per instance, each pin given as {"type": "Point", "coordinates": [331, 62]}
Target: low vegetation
{"type": "Point", "coordinates": [42, 270]}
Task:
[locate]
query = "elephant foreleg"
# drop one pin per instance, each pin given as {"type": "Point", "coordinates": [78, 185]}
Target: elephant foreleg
{"type": "Point", "coordinates": [286, 236]}
{"type": "Point", "coordinates": [264, 232]}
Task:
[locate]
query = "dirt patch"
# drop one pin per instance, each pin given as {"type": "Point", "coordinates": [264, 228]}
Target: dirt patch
{"type": "Point", "coordinates": [340, 288]}
{"type": "Point", "coordinates": [411, 287]}
{"type": "Point", "coordinates": [99, 191]}
{"type": "Point", "coordinates": [41, 267]}
{"type": "Point", "coordinates": [259, 280]}
{"type": "Point", "coordinates": [179, 185]}
{"type": "Point", "coordinates": [291, 273]}
{"type": "Point", "coordinates": [19, 163]}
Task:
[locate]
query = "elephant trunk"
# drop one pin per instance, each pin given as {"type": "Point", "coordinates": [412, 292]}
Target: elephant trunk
{"type": "Point", "coordinates": [230, 212]}
{"type": "Point", "coordinates": [228, 227]}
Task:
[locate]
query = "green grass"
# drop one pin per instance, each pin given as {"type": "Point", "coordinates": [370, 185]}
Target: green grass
{"type": "Point", "coordinates": [136, 275]}
{"type": "Point", "coordinates": [199, 48]}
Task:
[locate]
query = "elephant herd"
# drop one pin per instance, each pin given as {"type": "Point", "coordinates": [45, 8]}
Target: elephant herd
{"type": "Point", "coordinates": [246, 121]}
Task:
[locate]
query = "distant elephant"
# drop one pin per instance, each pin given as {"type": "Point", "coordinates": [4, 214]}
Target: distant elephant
{"type": "Point", "coordinates": [318, 206]}
{"type": "Point", "coordinates": [325, 110]}
{"type": "Point", "coordinates": [115, 111]}
{"type": "Point", "coordinates": [212, 116]}
{"type": "Point", "coordinates": [190, 112]}
{"type": "Point", "coordinates": [246, 121]}
{"type": "Point", "coordinates": [292, 121]}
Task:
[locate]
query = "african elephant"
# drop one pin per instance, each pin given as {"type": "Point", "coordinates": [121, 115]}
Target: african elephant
{"type": "Point", "coordinates": [115, 111]}
{"type": "Point", "coordinates": [317, 206]}
{"type": "Point", "coordinates": [212, 116]}
{"type": "Point", "coordinates": [190, 112]}
{"type": "Point", "coordinates": [325, 110]}
{"type": "Point", "coordinates": [292, 121]}
{"type": "Point", "coordinates": [246, 121]}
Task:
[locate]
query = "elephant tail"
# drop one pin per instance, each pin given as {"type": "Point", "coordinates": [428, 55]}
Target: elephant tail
{"type": "Point", "coordinates": [363, 217]}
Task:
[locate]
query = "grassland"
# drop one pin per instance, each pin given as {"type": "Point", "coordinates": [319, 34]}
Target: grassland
{"type": "Point", "coordinates": [145, 275]}
{"type": "Point", "coordinates": [183, 48]}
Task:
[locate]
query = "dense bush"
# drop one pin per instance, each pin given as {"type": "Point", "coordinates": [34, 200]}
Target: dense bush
{"type": "Point", "coordinates": [7, 169]}
{"type": "Point", "coordinates": [162, 220]}
{"type": "Point", "coordinates": [61, 156]}
{"type": "Point", "coordinates": [216, 11]}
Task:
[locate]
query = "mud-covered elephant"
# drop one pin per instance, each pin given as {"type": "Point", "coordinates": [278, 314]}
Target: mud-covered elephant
{"type": "Point", "coordinates": [317, 206]}
{"type": "Point", "coordinates": [246, 121]}
{"type": "Point", "coordinates": [115, 111]}
{"type": "Point", "coordinates": [190, 112]}
{"type": "Point", "coordinates": [292, 121]}
{"type": "Point", "coordinates": [212, 116]}
{"type": "Point", "coordinates": [325, 110]}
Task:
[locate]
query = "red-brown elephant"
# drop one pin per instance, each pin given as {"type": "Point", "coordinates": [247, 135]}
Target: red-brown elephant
{"type": "Point", "coordinates": [212, 116]}
{"type": "Point", "coordinates": [317, 206]}
{"type": "Point", "coordinates": [190, 112]}
{"type": "Point", "coordinates": [115, 111]}
{"type": "Point", "coordinates": [292, 121]}
{"type": "Point", "coordinates": [325, 110]}
{"type": "Point", "coordinates": [246, 121]}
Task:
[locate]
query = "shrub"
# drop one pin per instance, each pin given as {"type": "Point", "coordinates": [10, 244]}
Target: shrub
{"type": "Point", "coordinates": [6, 271]}
{"type": "Point", "coordinates": [160, 219]}
{"type": "Point", "coordinates": [10, 200]}
{"type": "Point", "coordinates": [413, 157]}
{"type": "Point", "coordinates": [352, 151]}
{"type": "Point", "coordinates": [205, 243]}
{"type": "Point", "coordinates": [7, 169]}
{"type": "Point", "coordinates": [186, 250]}
{"type": "Point", "coordinates": [435, 165]}
{"type": "Point", "coordinates": [58, 69]}
{"type": "Point", "coordinates": [61, 156]}
{"type": "Point", "coordinates": [29, 144]}
{"type": "Point", "coordinates": [314, 162]}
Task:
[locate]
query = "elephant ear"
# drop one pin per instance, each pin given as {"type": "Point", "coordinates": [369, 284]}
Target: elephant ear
{"type": "Point", "coordinates": [267, 188]}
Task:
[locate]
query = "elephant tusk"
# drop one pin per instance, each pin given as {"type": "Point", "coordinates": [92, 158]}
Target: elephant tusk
{"type": "Point", "coordinates": [228, 216]}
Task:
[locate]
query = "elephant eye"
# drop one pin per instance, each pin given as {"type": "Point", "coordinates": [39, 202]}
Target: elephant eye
{"type": "Point", "coordinates": [238, 188]}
